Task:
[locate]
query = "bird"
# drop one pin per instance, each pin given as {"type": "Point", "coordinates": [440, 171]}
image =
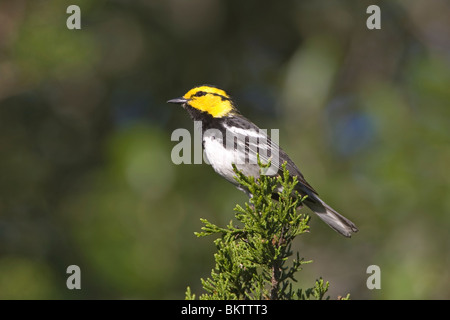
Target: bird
{"type": "Point", "coordinates": [219, 118]}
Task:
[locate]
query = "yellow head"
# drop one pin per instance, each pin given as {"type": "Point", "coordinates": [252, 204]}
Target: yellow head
{"type": "Point", "coordinates": [208, 99]}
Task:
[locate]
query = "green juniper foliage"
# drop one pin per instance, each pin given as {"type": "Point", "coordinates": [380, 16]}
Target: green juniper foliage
{"type": "Point", "coordinates": [252, 260]}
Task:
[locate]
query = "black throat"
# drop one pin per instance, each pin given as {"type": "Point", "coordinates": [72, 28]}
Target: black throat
{"type": "Point", "coordinates": [208, 121]}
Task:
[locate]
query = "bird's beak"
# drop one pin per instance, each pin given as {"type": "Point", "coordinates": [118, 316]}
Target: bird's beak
{"type": "Point", "coordinates": [179, 100]}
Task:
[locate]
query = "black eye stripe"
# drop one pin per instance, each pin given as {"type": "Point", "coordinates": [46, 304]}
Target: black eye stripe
{"type": "Point", "coordinates": [203, 93]}
{"type": "Point", "coordinates": [221, 96]}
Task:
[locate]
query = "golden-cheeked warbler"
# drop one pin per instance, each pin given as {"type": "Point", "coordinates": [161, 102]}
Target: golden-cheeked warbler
{"type": "Point", "coordinates": [228, 137]}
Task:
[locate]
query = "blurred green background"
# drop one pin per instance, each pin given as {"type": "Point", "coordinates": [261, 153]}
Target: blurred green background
{"type": "Point", "coordinates": [86, 176]}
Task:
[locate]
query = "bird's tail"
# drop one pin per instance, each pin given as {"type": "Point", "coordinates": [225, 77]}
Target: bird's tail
{"type": "Point", "coordinates": [336, 221]}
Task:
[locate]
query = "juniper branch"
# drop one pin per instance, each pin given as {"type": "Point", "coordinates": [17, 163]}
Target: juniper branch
{"type": "Point", "coordinates": [252, 259]}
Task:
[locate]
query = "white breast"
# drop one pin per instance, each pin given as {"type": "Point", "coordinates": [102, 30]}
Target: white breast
{"type": "Point", "coordinates": [219, 157]}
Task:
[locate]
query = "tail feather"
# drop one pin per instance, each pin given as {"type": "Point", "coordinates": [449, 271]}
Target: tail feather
{"type": "Point", "coordinates": [336, 221]}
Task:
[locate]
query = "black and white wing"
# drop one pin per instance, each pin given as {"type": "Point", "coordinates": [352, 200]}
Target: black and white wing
{"type": "Point", "coordinates": [249, 140]}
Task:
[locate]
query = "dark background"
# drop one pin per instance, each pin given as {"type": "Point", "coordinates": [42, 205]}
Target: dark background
{"type": "Point", "coordinates": [86, 176]}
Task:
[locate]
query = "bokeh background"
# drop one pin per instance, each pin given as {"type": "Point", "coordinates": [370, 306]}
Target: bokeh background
{"type": "Point", "coordinates": [86, 175]}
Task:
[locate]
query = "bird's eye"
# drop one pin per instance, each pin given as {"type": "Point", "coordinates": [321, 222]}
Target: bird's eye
{"type": "Point", "coordinates": [200, 94]}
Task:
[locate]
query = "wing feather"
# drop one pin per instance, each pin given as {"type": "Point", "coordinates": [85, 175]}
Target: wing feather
{"type": "Point", "coordinates": [250, 140]}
